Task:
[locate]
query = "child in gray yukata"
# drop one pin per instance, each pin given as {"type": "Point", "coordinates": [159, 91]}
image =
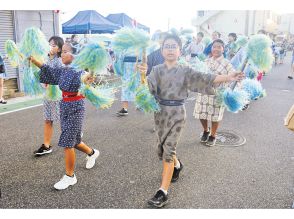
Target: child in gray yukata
{"type": "Point", "coordinates": [170, 83]}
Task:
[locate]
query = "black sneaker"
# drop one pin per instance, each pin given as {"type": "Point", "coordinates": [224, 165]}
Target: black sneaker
{"type": "Point", "coordinates": [122, 112]}
{"type": "Point", "coordinates": [176, 173]}
{"type": "Point", "coordinates": [290, 77]}
{"type": "Point", "coordinates": [43, 150]}
{"type": "Point", "coordinates": [159, 199]}
{"type": "Point", "coordinates": [245, 107]}
{"type": "Point", "coordinates": [211, 141]}
{"type": "Point", "coordinates": [3, 101]}
{"type": "Point", "coordinates": [204, 136]}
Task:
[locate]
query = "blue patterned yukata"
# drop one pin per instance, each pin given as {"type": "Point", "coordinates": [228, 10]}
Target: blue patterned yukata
{"type": "Point", "coordinates": [71, 113]}
{"type": "Point", "coordinates": [51, 105]}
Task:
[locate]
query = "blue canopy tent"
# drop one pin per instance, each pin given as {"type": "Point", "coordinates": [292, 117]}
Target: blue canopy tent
{"type": "Point", "coordinates": [88, 22]}
{"type": "Point", "coordinates": [124, 20]}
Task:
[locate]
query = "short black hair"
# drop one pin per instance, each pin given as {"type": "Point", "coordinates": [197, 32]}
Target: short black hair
{"type": "Point", "coordinates": [218, 33]}
{"type": "Point", "coordinates": [73, 36]}
{"type": "Point", "coordinates": [234, 35]}
{"type": "Point", "coordinates": [59, 42]}
{"type": "Point", "coordinates": [173, 37]}
{"type": "Point", "coordinates": [73, 49]}
{"type": "Point", "coordinates": [162, 35]}
{"type": "Point", "coordinates": [219, 41]}
{"type": "Point", "coordinates": [261, 31]}
{"type": "Point", "coordinates": [200, 34]}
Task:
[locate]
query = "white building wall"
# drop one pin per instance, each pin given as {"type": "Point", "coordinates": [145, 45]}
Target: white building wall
{"type": "Point", "coordinates": [239, 21]}
{"type": "Point", "coordinates": [287, 24]}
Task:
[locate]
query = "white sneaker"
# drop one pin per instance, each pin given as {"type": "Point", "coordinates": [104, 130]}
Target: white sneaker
{"type": "Point", "coordinates": [65, 182]}
{"type": "Point", "coordinates": [91, 159]}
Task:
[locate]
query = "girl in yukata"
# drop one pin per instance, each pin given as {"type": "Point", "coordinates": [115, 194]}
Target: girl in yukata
{"type": "Point", "coordinates": [72, 110]}
{"type": "Point", "coordinates": [51, 103]}
{"type": "Point", "coordinates": [170, 83]}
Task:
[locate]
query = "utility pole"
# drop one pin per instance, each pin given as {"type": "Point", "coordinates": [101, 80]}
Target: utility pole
{"type": "Point", "coordinates": [246, 23]}
{"type": "Point", "coordinates": [253, 22]}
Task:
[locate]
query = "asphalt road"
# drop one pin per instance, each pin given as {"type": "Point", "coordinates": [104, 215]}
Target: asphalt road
{"type": "Point", "coordinates": [258, 174]}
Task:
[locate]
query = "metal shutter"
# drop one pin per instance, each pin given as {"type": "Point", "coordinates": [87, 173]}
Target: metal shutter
{"type": "Point", "coordinates": [40, 19]}
{"type": "Point", "coordinates": [7, 32]}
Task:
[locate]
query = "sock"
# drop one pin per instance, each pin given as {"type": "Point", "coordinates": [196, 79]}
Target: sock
{"type": "Point", "coordinates": [165, 192]}
{"type": "Point", "coordinates": [71, 176]}
{"type": "Point", "coordinates": [92, 152]}
{"type": "Point", "coordinates": [178, 165]}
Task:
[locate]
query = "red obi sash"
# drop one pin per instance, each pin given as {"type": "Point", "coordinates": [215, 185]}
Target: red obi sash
{"type": "Point", "coordinates": [71, 96]}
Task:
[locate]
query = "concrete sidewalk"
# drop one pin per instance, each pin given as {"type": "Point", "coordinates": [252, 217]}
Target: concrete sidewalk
{"type": "Point", "coordinates": [26, 102]}
{"type": "Point", "coordinates": [20, 103]}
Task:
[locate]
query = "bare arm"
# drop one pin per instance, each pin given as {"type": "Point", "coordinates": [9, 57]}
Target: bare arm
{"type": "Point", "coordinates": [36, 62]}
{"type": "Point", "coordinates": [235, 76]}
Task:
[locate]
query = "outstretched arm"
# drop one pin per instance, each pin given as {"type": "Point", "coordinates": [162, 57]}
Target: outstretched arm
{"type": "Point", "coordinates": [36, 62]}
{"type": "Point", "coordinates": [235, 76]}
{"type": "Point", "coordinates": [48, 75]}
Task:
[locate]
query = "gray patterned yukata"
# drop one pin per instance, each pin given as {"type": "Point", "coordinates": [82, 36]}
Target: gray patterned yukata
{"type": "Point", "coordinates": [170, 87]}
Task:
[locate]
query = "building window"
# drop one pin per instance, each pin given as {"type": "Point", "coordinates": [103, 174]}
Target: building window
{"type": "Point", "coordinates": [200, 13]}
{"type": "Point", "coordinates": [279, 19]}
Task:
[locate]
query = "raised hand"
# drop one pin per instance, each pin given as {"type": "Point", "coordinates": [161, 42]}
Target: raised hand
{"type": "Point", "coordinates": [236, 76]}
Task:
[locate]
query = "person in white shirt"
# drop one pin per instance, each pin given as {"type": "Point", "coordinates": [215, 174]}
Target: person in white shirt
{"type": "Point", "coordinates": [196, 47]}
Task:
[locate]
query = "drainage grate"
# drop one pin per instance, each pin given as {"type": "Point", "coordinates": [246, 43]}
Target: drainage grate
{"type": "Point", "coordinates": [229, 139]}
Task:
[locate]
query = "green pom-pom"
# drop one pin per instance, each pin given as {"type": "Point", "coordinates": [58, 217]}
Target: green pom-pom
{"type": "Point", "coordinates": [252, 87]}
{"type": "Point", "coordinates": [134, 83]}
{"type": "Point", "coordinates": [34, 44]}
{"type": "Point", "coordinates": [12, 53]}
{"type": "Point", "coordinates": [93, 57]}
{"type": "Point", "coordinates": [259, 52]}
{"type": "Point", "coordinates": [219, 97]}
{"type": "Point", "coordinates": [186, 31]}
{"type": "Point", "coordinates": [53, 92]}
{"type": "Point", "coordinates": [174, 31]}
{"type": "Point", "coordinates": [101, 97]}
{"type": "Point", "coordinates": [263, 93]}
{"type": "Point", "coordinates": [235, 100]}
{"type": "Point", "coordinates": [182, 61]}
{"type": "Point", "coordinates": [153, 46]}
{"type": "Point", "coordinates": [198, 65]}
{"type": "Point", "coordinates": [206, 41]}
{"type": "Point", "coordinates": [130, 39]}
{"type": "Point", "coordinates": [145, 101]}
{"type": "Point", "coordinates": [31, 81]}
{"type": "Point", "coordinates": [241, 41]}
{"type": "Point", "coordinates": [202, 57]}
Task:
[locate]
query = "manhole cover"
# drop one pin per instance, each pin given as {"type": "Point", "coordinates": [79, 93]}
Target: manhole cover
{"type": "Point", "coordinates": [229, 139]}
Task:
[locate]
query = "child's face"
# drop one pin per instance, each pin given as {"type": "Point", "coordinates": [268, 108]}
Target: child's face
{"type": "Point", "coordinates": [53, 48]}
{"type": "Point", "coordinates": [217, 49]}
{"type": "Point", "coordinates": [66, 55]}
{"type": "Point", "coordinates": [76, 38]}
{"type": "Point", "coordinates": [214, 36]}
{"type": "Point", "coordinates": [170, 50]}
{"type": "Point", "coordinates": [231, 39]}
